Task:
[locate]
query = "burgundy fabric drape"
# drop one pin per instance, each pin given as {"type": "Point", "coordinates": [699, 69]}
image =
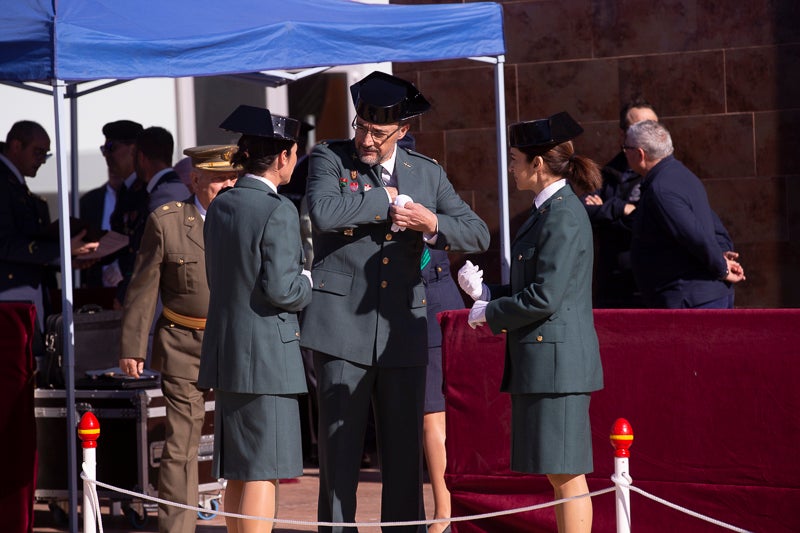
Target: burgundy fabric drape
{"type": "Point", "coordinates": [713, 399]}
{"type": "Point", "coordinates": [17, 422]}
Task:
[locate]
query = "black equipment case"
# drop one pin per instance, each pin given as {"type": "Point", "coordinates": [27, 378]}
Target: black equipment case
{"type": "Point", "coordinates": [132, 429]}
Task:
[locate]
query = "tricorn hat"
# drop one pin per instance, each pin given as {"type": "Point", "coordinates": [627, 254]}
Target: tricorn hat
{"type": "Point", "coordinates": [215, 157]}
{"type": "Point", "coordinates": [543, 134]}
{"type": "Point", "coordinates": [122, 130]}
{"type": "Point", "coordinates": [258, 121]}
{"type": "Point", "coordinates": [381, 98]}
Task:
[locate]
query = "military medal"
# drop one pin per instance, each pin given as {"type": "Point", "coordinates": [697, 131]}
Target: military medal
{"type": "Point", "coordinates": [367, 187]}
{"type": "Point", "coordinates": [353, 181]}
{"type": "Point", "coordinates": [342, 182]}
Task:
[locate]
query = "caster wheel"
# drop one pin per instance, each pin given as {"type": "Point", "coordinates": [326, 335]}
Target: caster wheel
{"type": "Point", "coordinates": [213, 506]}
{"type": "Point", "coordinates": [137, 521]}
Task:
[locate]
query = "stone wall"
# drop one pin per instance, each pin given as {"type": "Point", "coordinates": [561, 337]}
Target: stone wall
{"type": "Point", "coordinates": [724, 76]}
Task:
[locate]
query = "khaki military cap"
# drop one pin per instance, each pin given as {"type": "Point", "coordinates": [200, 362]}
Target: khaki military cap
{"type": "Point", "coordinates": [213, 157]}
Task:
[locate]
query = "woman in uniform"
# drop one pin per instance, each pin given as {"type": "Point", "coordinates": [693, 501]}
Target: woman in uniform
{"type": "Point", "coordinates": [552, 357]}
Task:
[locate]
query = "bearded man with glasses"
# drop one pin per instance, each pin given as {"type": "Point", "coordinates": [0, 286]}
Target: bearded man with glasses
{"type": "Point", "coordinates": [367, 322]}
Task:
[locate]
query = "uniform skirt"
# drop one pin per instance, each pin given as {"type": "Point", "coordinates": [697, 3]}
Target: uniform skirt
{"type": "Point", "coordinates": [434, 396]}
{"type": "Point", "coordinates": [256, 436]}
{"type": "Point", "coordinates": [551, 434]}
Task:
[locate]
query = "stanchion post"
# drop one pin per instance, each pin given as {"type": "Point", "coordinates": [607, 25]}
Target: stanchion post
{"type": "Point", "coordinates": [621, 440]}
{"type": "Point", "coordinates": [88, 432]}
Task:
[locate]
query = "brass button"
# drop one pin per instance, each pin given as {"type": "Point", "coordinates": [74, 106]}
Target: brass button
{"type": "Point", "coordinates": [385, 261]}
{"type": "Point", "coordinates": [519, 257]}
{"type": "Point", "coordinates": [165, 208]}
{"type": "Point", "coordinates": [447, 248]}
{"type": "Point", "coordinates": [384, 284]}
{"type": "Point", "coordinates": [172, 325]}
{"type": "Point", "coordinates": [503, 331]}
{"type": "Point", "coordinates": [348, 232]}
{"type": "Point", "coordinates": [180, 261]}
{"type": "Point", "coordinates": [438, 269]}
{"type": "Point", "coordinates": [178, 204]}
{"type": "Point", "coordinates": [377, 217]}
{"type": "Point", "coordinates": [296, 333]}
{"type": "Point", "coordinates": [424, 301]}
{"type": "Point", "coordinates": [539, 338]}
{"type": "Point", "coordinates": [11, 276]}
{"type": "Point", "coordinates": [388, 236]}
{"type": "Point", "coordinates": [321, 284]}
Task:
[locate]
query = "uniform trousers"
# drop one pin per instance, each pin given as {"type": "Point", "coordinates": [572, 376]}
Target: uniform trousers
{"type": "Point", "coordinates": [344, 393]}
{"type": "Point", "coordinates": [177, 475]}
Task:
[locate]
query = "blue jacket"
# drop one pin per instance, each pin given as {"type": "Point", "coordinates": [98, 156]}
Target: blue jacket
{"type": "Point", "coordinates": [675, 252]}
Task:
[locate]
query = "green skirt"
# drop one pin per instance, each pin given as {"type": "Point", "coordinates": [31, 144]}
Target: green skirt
{"type": "Point", "coordinates": [551, 434]}
{"type": "Point", "coordinates": [256, 436]}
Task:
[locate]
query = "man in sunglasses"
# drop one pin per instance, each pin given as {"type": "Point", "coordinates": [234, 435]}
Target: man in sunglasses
{"type": "Point", "coordinates": [367, 320]}
{"type": "Point", "coordinates": [98, 204]}
{"type": "Point", "coordinates": [28, 255]}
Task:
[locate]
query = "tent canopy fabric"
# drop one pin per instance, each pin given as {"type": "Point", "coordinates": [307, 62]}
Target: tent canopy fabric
{"type": "Point", "coordinates": [81, 40]}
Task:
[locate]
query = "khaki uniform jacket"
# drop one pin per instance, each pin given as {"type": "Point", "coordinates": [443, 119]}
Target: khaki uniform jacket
{"type": "Point", "coordinates": [369, 304]}
{"type": "Point", "coordinates": [171, 264]}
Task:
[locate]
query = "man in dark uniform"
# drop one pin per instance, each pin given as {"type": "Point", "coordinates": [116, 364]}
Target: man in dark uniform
{"type": "Point", "coordinates": [28, 257]}
{"type": "Point", "coordinates": [367, 318]}
{"type": "Point", "coordinates": [97, 205]}
{"type": "Point", "coordinates": [171, 265]}
{"type": "Point", "coordinates": [156, 184]}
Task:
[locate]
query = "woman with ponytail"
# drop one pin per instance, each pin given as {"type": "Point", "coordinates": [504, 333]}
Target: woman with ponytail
{"type": "Point", "coordinates": [552, 355]}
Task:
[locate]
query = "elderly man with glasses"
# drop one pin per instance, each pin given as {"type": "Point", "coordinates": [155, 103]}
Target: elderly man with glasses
{"type": "Point", "coordinates": [367, 319]}
{"type": "Point", "coordinates": [677, 257]}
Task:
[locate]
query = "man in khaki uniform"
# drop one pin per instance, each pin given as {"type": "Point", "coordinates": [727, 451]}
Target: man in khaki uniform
{"type": "Point", "coordinates": [171, 265]}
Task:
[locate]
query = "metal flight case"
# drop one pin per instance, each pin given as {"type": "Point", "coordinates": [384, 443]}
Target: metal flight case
{"type": "Point", "coordinates": [132, 430]}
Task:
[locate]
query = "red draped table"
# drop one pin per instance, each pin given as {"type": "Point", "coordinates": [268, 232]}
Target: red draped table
{"type": "Point", "coordinates": [713, 398]}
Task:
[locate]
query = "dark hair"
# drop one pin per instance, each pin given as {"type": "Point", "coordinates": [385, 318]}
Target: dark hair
{"type": "Point", "coordinates": [256, 154]}
{"type": "Point", "coordinates": [581, 172]}
{"type": "Point", "coordinates": [156, 144]}
{"type": "Point", "coordinates": [24, 131]}
{"type": "Point", "coordinates": [637, 102]}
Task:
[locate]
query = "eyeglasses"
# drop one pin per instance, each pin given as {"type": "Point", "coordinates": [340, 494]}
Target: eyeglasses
{"type": "Point", "coordinates": [626, 147]}
{"type": "Point", "coordinates": [378, 137]}
{"type": "Point", "coordinates": [111, 146]}
{"type": "Point", "coordinates": [41, 153]}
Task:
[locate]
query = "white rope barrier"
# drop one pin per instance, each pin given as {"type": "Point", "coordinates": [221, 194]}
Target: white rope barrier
{"type": "Point", "coordinates": [621, 438]}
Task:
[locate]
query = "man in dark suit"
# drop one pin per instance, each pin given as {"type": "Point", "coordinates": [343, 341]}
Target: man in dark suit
{"type": "Point", "coordinates": [171, 265]}
{"type": "Point", "coordinates": [675, 252]}
{"type": "Point", "coordinates": [367, 318]}
{"type": "Point", "coordinates": [156, 184]}
{"type": "Point", "coordinates": [28, 258]}
{"type": "Point", "coordinates": [97, 205]}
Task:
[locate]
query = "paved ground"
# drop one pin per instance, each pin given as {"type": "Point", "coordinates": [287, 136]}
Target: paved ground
{"type": "Point", "coordinates": [297, 501]}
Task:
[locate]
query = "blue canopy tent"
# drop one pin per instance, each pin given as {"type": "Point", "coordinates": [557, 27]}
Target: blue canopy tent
{"type": "Point", "coordinates": [53, 45]}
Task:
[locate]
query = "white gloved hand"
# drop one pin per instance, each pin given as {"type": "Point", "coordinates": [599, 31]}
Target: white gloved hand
{"type": "Point", "coordinates": [477, 315]}
{"type": "Point", "coordinates": [401, 200]}
{"type": "Point", "coordinates": [470, 279]}
{"type": "Point", "coordinates": [111, 275]}
{"type": "Point", "coordinates": [307, 273]}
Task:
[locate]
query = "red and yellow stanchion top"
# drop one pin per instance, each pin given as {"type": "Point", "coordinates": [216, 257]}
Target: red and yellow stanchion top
{"type": "Point", "coordinates": [89, 430]}
{"type": "Point", "coordinates": [621, 437]}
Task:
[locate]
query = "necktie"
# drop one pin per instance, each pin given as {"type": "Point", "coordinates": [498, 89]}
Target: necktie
{"type": "Point", "coordinates": [425, 259]}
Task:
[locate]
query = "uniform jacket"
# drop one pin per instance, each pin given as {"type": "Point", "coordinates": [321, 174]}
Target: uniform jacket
{"type": "Point", "coordinates": [369, 300]}
{"type": "Point", "coordinates": [547, 308]}
{"type": "Point", "coordinates": [254, 266]}
{"type": "Point", "coordinates": [171, 264]}
{"type": "Point", "coordinates": [92, 204]}
{"type": "Point", "coordinates": [26, 254]}
{"type": "Point", "coordinates": [675, 252]}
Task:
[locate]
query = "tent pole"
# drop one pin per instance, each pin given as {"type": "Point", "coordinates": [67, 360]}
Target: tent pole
{"type": "Point", "coordinates": [502, 169]}
{"type": "Point", "coordinates": [72, 96]}
{"type": "Point", "coordinates": [59, 94]}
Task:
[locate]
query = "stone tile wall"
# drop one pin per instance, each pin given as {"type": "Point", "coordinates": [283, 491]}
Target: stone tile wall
{"type": "Point", "coordinates": [724, 76]}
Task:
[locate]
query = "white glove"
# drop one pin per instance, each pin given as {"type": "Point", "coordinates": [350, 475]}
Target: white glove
{"type": "Point", "coordinates": [400, 201]}
{"type": "Point", "coordinates": [111, 275]}
{"type": "Point", "coordinates": [307, 273]}
{"type": "Point", "coordinates": [470, 279]}
{"type": "Point", "coordinates": [477, 315]}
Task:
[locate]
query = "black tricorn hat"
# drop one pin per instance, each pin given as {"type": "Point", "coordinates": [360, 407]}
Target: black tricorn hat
{"type": "Point", "coordinates": [122, 130]}
{"type": "Point", "coordinates": [381, 98]}
{"type": "Point", "coordinates": [543, 134]}
{"type": "Point", "coordinates": [258, 121]}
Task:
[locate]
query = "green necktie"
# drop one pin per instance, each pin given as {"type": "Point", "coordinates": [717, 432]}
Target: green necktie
{"type": "Point", "coordinates": [425, 259]}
